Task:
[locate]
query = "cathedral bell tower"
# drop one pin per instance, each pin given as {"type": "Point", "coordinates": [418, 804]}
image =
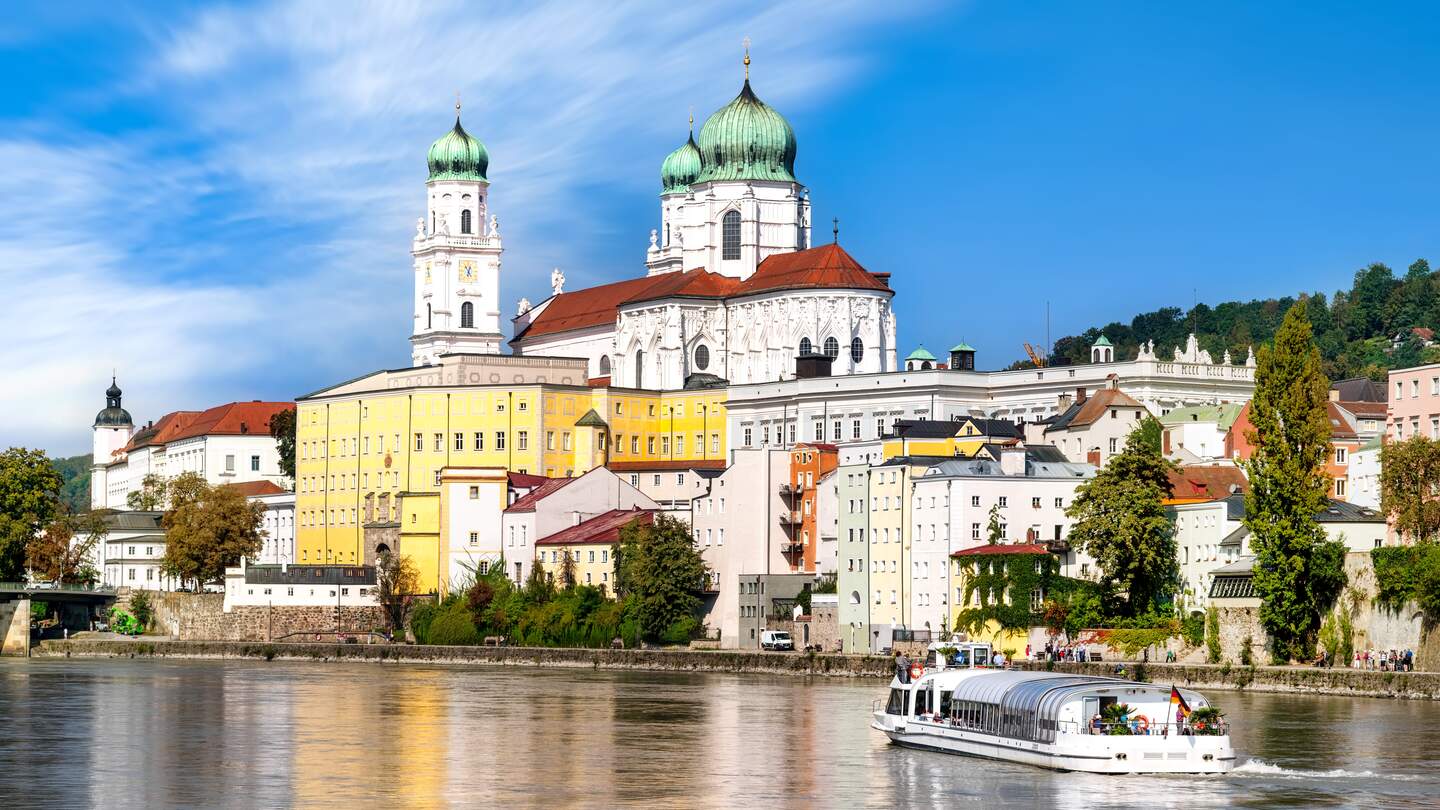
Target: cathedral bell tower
{"type": "Point", "coordinates": [112, 430]}
{"type": "Point", "coordinates": [457, 254]}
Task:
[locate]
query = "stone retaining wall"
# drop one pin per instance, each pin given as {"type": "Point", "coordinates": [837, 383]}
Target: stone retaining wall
{"type": "Point", "coordinates": [201, 617]}
{"type": "Point", "coordinates": [661, 660]}
{"type": "Point", "coordinates": [1304, 680]}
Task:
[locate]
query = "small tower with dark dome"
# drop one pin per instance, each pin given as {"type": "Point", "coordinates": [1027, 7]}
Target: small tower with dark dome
{"type": "Point", "coordinates": [111, 432]}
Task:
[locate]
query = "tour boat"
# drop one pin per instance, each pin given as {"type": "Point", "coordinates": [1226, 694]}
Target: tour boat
{"type": "Point", "coordinates": [957, 703]}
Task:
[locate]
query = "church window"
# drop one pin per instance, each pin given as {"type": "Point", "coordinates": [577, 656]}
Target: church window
{"type": "Point", "coordinates": [429, 317]}
{"type": "Point", "coordinates": [702, 357]}
{"type": "Point", "coordinates": [605, 366]}
{"type": "Point", "coordinates": [640, 368]}
{"type": "Point", "coordinates": [857, 350]}
{"type": "Point", "coordinates": [465, 221]}
{"type": "Point", "coordinates": [667, 234]}
{"type": "Point", "coordinates": [832, 348]}
{"type": "Point", "coordinates": [467, 315]}
{"type": "Point", "coordinates": [805, 346]}
{"type": "Point", "coordinates": [730, 235]}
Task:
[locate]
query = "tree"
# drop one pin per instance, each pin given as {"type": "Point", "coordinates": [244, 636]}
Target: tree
{"type": "Point", "coordinates": [207, 529]}
{"type": "Point", "coordinates": [64, 551]}
{"type": "Point", "coordinates": [993, 529]}
{"type": "Point", "coordinates": [282, 429]}
{"type": "Point", "coordinates": [397, 581]}
{"type": "Point", "coordinates": [1409, 477]}
{"type": "Point", "coordinates": [1120, 520]}
{"type": "Point", "coordinates": [567, 570]}
{"type": "Point", "coordinates": [151, 495]}
{"type": "Point", "coordinates": [658, 566]}
{"type": "Point", "coordinates": [1296, 569]}
{"type": "Point", "coordinates": [29, 501]}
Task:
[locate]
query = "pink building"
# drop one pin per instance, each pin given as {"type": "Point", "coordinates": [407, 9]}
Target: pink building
{"type": "Point", "coordinates": [1414, 402]}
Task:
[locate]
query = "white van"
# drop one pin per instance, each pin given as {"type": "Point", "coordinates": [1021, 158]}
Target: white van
{"type": "Point", "coordinates": [776, 640]}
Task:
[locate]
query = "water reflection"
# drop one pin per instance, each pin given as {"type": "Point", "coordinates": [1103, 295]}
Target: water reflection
{"type": "Point", "coordinates": [169, 733]}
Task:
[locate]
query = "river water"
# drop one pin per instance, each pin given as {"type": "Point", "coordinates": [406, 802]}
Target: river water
{"type": "Point", "coordinates": [155, 733]}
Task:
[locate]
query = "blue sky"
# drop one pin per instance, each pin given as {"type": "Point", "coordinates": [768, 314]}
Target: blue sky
{"type": "Point", "coordinates": [217, 201]}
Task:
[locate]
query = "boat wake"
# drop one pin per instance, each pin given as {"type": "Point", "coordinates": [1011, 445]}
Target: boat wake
{"type": "Point", "coordinates": [1259, 767]}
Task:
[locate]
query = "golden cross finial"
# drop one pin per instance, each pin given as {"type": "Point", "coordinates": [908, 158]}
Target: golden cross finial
{"type": "Point", "coordinates": [457, 103]}
{"type": "Point", "coordinates": [746, 43]}
{"type": "Point", "coordinates": [692, 119]}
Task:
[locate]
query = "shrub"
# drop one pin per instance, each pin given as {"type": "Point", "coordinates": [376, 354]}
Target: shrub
{"type": "Point", "coordinates": [1246, 659]}
{"type": "Point", "coordinates": [140, 606]}
{"type": "Point", "coordinates": [1206, 721]}
{"type": "Point", "coordinates": [453, 626]}
{"type": "Point", "coordinates": [1193, 629]}
{"type": "Point", "coordinates": [1212, 635]}
{"type": "Point", "coordinates": [420, 619]}
{"type": "Point", "coordinates": [122, 622]}
{"type": "Point", "coordinates": [681, 631]}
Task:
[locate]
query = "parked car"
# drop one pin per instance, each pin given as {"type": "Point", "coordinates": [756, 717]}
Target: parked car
{"type": "Point", "coordinates": [776, 640]}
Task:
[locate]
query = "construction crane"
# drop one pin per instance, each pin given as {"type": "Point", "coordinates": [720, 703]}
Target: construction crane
{"type": "Point", "coordinates": [1035, 356]}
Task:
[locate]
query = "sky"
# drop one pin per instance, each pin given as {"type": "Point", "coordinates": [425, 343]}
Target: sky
{"type": "Point", "coordinates": [216, 201]}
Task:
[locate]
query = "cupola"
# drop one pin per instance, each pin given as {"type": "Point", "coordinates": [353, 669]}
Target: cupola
{"type": "Point", "coordinates": [747, 140]}
{"type": "Point", "coordinates": [458, 155]}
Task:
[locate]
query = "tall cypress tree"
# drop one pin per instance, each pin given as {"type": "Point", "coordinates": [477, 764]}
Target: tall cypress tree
{"type": "Point", "coordinates": [1297, 573]}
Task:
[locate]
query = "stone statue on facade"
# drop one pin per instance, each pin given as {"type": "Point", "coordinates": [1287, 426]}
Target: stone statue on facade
{"type": "Point", "coordinates": [557, 281]}
{"type": "Point", "coordinates": [654, 240]}
{"type": "Point", "coordinates": [524, 307]}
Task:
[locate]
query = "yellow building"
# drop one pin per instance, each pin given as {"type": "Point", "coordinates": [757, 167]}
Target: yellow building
{"type": "Point", "coordinates": [889, 489]}
{"type": "Point", "coordinates": [986, 561]}
{"type": "Point", "coordinates": [590, 545]}
{"type": "Point", "coordinates": [372, 452]}
{"type": "Point", "coordinates": [964, 437]}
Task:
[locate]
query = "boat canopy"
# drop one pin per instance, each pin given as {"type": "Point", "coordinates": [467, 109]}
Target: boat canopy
{"type": "Point", "coordinates": [1023, 705]}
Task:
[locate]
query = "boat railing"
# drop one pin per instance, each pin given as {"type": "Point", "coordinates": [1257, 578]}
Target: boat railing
{"type": "Point", "coordinates": [1142, 727]}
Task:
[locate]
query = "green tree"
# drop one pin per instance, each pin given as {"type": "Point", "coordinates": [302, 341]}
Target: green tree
{"type": "Point", "coordinates": [397, 581]}
{"type": "Point", "coordinates": [29, 501]}
{"type": "Point", "coordinates": [75, 491]}
{"type": "Point", "coordinates": [658, 566]}
{"type": "Point", "coordinates": [151, 495]}
{"type": "Point", "coordinates": [1212, 635]}
{"type": "Point", "coordinates": [207, 529]}
{"type": "Point", "coordinates": [993, 529]}
{"type": "Point", "coordinates": [1120, 520]}
{"type": "Point", "coordinates": [282, 429]}
{"type": "Point", "coordinates": [1409, 477]}
{"type": "Point", "coordinates": [567, 570]}
{"type": "Point", "coordinates": [64, 551]}
{"type": "Point", "coordinates": [1298, 573]}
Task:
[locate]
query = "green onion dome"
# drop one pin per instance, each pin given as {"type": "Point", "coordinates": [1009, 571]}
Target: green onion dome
{"type": "Point", "coordinates": [458, 156]}
{"type": "Point", "coordinates": [747, 140]}
{"type": "Point", "coordinates": [680, 168]}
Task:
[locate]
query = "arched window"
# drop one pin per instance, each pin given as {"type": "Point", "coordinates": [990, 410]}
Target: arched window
{"type": "Point", "coordinates": [640, 368]}
{"type": "Point", "coordinates": [667, 234]}
{"type": "Point", "coordinates": [465, 221]}
{"type": "Point", "coordinates": [857, 350]}
{"type": "Point", "coordinates": [832, 348]}
{"type": "Point", "coordinates": [805, 346]}
{"type": "Point", "coordinates": [604, 365]}
{"type": "Point", "coordinates": [730, 235]}
{"type": "Point", "coordinates": [429, 317]}
{"type": "Point", "coordinates": [702, 357]}
{"type": "Point", "coordinates": [467, 315]}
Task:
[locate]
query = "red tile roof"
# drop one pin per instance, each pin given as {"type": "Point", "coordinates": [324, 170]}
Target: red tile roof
{"type": "Point", "coordinates": [1206, 482]}
{"type": "Point", "coordinates": [1373, 410]}
{"type": "Point", "coordinates": [1001, 548]}
{"type": "Point", "coordinates": [601, 529]}
{"type": "Point", "coordinates": [599, 382]}
{"type": "Point", "coordinates": [1098, 403]}
{"type": "Point", "coordinates": [234, 419]}
{"type": "Point", "coordinates": [162, 431]}
{"type": "Point", "coordinates": [822, 446]}
{"type": "Point", "coordinates": [826, 267]}
{"type": "Point", "coordinates": [666, 466]}
{"type": "Point", "coordinates": [521, 480]}
{"type": "Point", "coordinates": [252, 489]}
{"type": "Point", "coordinates": [545, 490]}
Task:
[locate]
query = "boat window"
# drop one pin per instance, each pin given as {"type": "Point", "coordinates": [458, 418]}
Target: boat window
{"type": "Point", "coordinates": [945, 703]}
{"type": "Point", "coordinates": [922, 702]}
{"type": "Point", "coordinates": [897, 702]}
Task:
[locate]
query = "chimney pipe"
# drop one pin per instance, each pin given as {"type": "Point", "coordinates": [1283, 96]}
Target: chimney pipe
{"type": "Point", "coordinates": [1080, 395]}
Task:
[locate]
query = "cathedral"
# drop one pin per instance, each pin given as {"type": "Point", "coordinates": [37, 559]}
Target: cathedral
{"type": "Point", "coordinates": [733, 290]}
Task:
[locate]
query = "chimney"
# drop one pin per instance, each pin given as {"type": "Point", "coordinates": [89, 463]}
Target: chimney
{"type": "Point", "coordinates": [1064, 403]}
{"type": "Point", "coordinates": [1012, 461]}
{"type": "Point", "coordinates": [1112, 381]}
{"type": "Point", "coordinates": [574, 518]}
{"type": "Point", "coordinates": [1080, 395]}
{"type": "Point", "coordinates": [1334, 395]}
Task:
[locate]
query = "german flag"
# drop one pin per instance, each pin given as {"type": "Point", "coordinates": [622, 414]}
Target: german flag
{"type": "Point", "coordinates": [1182, 709]}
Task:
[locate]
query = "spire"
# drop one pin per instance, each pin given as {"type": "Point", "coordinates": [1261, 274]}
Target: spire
{"type": "Point", "coordinates": [457, 106]}
{"type": "Point", "coordinates": [836, 222]}
{"type": "Point", "coordinates": [746, 43]}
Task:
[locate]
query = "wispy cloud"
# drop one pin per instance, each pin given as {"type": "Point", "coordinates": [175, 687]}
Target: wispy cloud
{"type": "Point", "coordinates": [281, 198]}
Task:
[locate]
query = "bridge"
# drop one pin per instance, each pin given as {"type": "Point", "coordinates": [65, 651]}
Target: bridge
{"type": "Point", "coordinates": [75, 603]}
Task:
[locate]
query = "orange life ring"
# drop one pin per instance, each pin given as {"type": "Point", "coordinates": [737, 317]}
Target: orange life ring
{"type": "Point", "coordinates": [1142, 723]}
{"type": "Point", "coordinates": [916, 670]}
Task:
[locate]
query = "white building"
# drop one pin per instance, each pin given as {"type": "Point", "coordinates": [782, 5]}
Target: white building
{"type": "Point", "coordinates": [1090, 429]}
{"type": "Point", "coordinates": [132, 551]}
{"type": "Point", "coordinates": [1201, 532]}
{"type": "Point", "coordinates": [1198, 432]}
{"type": "Point", "coordinates": [1364, 474]}
{"type": "Point", "coordinates": [827, 524]}
{"type": "Point", "coordinates": [559, 504]}
{"type": "Point", "coordinates": [733, 286]}
{"type": "Point", "coordinates": [299, 586]}
{"type": "Point", "coordinates": [227, 444]}
{"type": "Point", "coordinates": [456, 254]}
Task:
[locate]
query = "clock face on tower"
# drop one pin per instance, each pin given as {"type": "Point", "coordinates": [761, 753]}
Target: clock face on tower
{"type": "Point", "coordinates": [467, 271]}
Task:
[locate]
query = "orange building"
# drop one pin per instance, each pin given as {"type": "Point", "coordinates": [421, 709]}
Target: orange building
{"type": "Point", "coordinates": [1352, 424]}
{"type": "Point", "coordinates": [809, 463]}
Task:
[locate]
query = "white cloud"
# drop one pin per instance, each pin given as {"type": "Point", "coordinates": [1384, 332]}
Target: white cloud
{"type": "Point", "coordinates": [313, 117]}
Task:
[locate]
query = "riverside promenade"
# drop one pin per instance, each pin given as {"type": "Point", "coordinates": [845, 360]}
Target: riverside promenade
{"type": "Point", "coordinates": [1293, 680]}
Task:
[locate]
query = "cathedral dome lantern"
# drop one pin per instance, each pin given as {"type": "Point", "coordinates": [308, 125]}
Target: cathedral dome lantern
{"type": "Point", "coordinates": [747, 140]}
{"type": "Point", "coordinates": [680, 168]}
{"type": "Point", "coordinates": [458, 155]}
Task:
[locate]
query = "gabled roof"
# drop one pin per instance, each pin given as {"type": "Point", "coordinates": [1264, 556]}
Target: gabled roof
{"type": "Point", "coordinates": [1223, 415]}
{"type": "Point", "coordinates": [232, 419]}
{"type": "Point", "coordinates": [1206, 482]}
{"type": "Point", "coordinates": [525, 480]}
{"type": "Point", "coordinates": [253, 489]}
{"type": "Point", "coordinates": [1359, 389]}
{"type": "Point", "coordinates": [826, 267]}
{"type": "Point", "coordinates": [590, 419]}
{"type": "Point", "coordinates": [1082, 414]}
{"type": "Point", "coordinates": [1342, 422]}
{"type": "Point", "coordinates": [601, 529]}
{"type": "Point", "coordinates": [1368, 410]}
{"type": "Point", "coordinates": [944, 429]}
{"type": "Point", "coordinates": [1002, 548]}
{"type": "Point", "coordinates": [527, 502]}
{"type": "Point", "coordinates": [162, 431]}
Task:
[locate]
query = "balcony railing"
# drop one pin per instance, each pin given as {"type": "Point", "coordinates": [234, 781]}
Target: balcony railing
{"type": "Point", "coordinates": [790, 518]}
{"type": "Point", "coordinates": [792, 548]}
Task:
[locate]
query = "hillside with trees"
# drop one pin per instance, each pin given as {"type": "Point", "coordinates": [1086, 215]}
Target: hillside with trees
{"type": "Point", "coordinates": [75, 473]}
{"type": "Point", "coordinates": [1354, 329]}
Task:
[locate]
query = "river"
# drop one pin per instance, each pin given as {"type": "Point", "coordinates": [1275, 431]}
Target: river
{"type": "Point", "coordinates": [156, 733]}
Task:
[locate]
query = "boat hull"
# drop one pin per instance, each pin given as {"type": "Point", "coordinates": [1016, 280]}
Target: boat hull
{"type": "Point", "coordinates": [1071, 752]}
